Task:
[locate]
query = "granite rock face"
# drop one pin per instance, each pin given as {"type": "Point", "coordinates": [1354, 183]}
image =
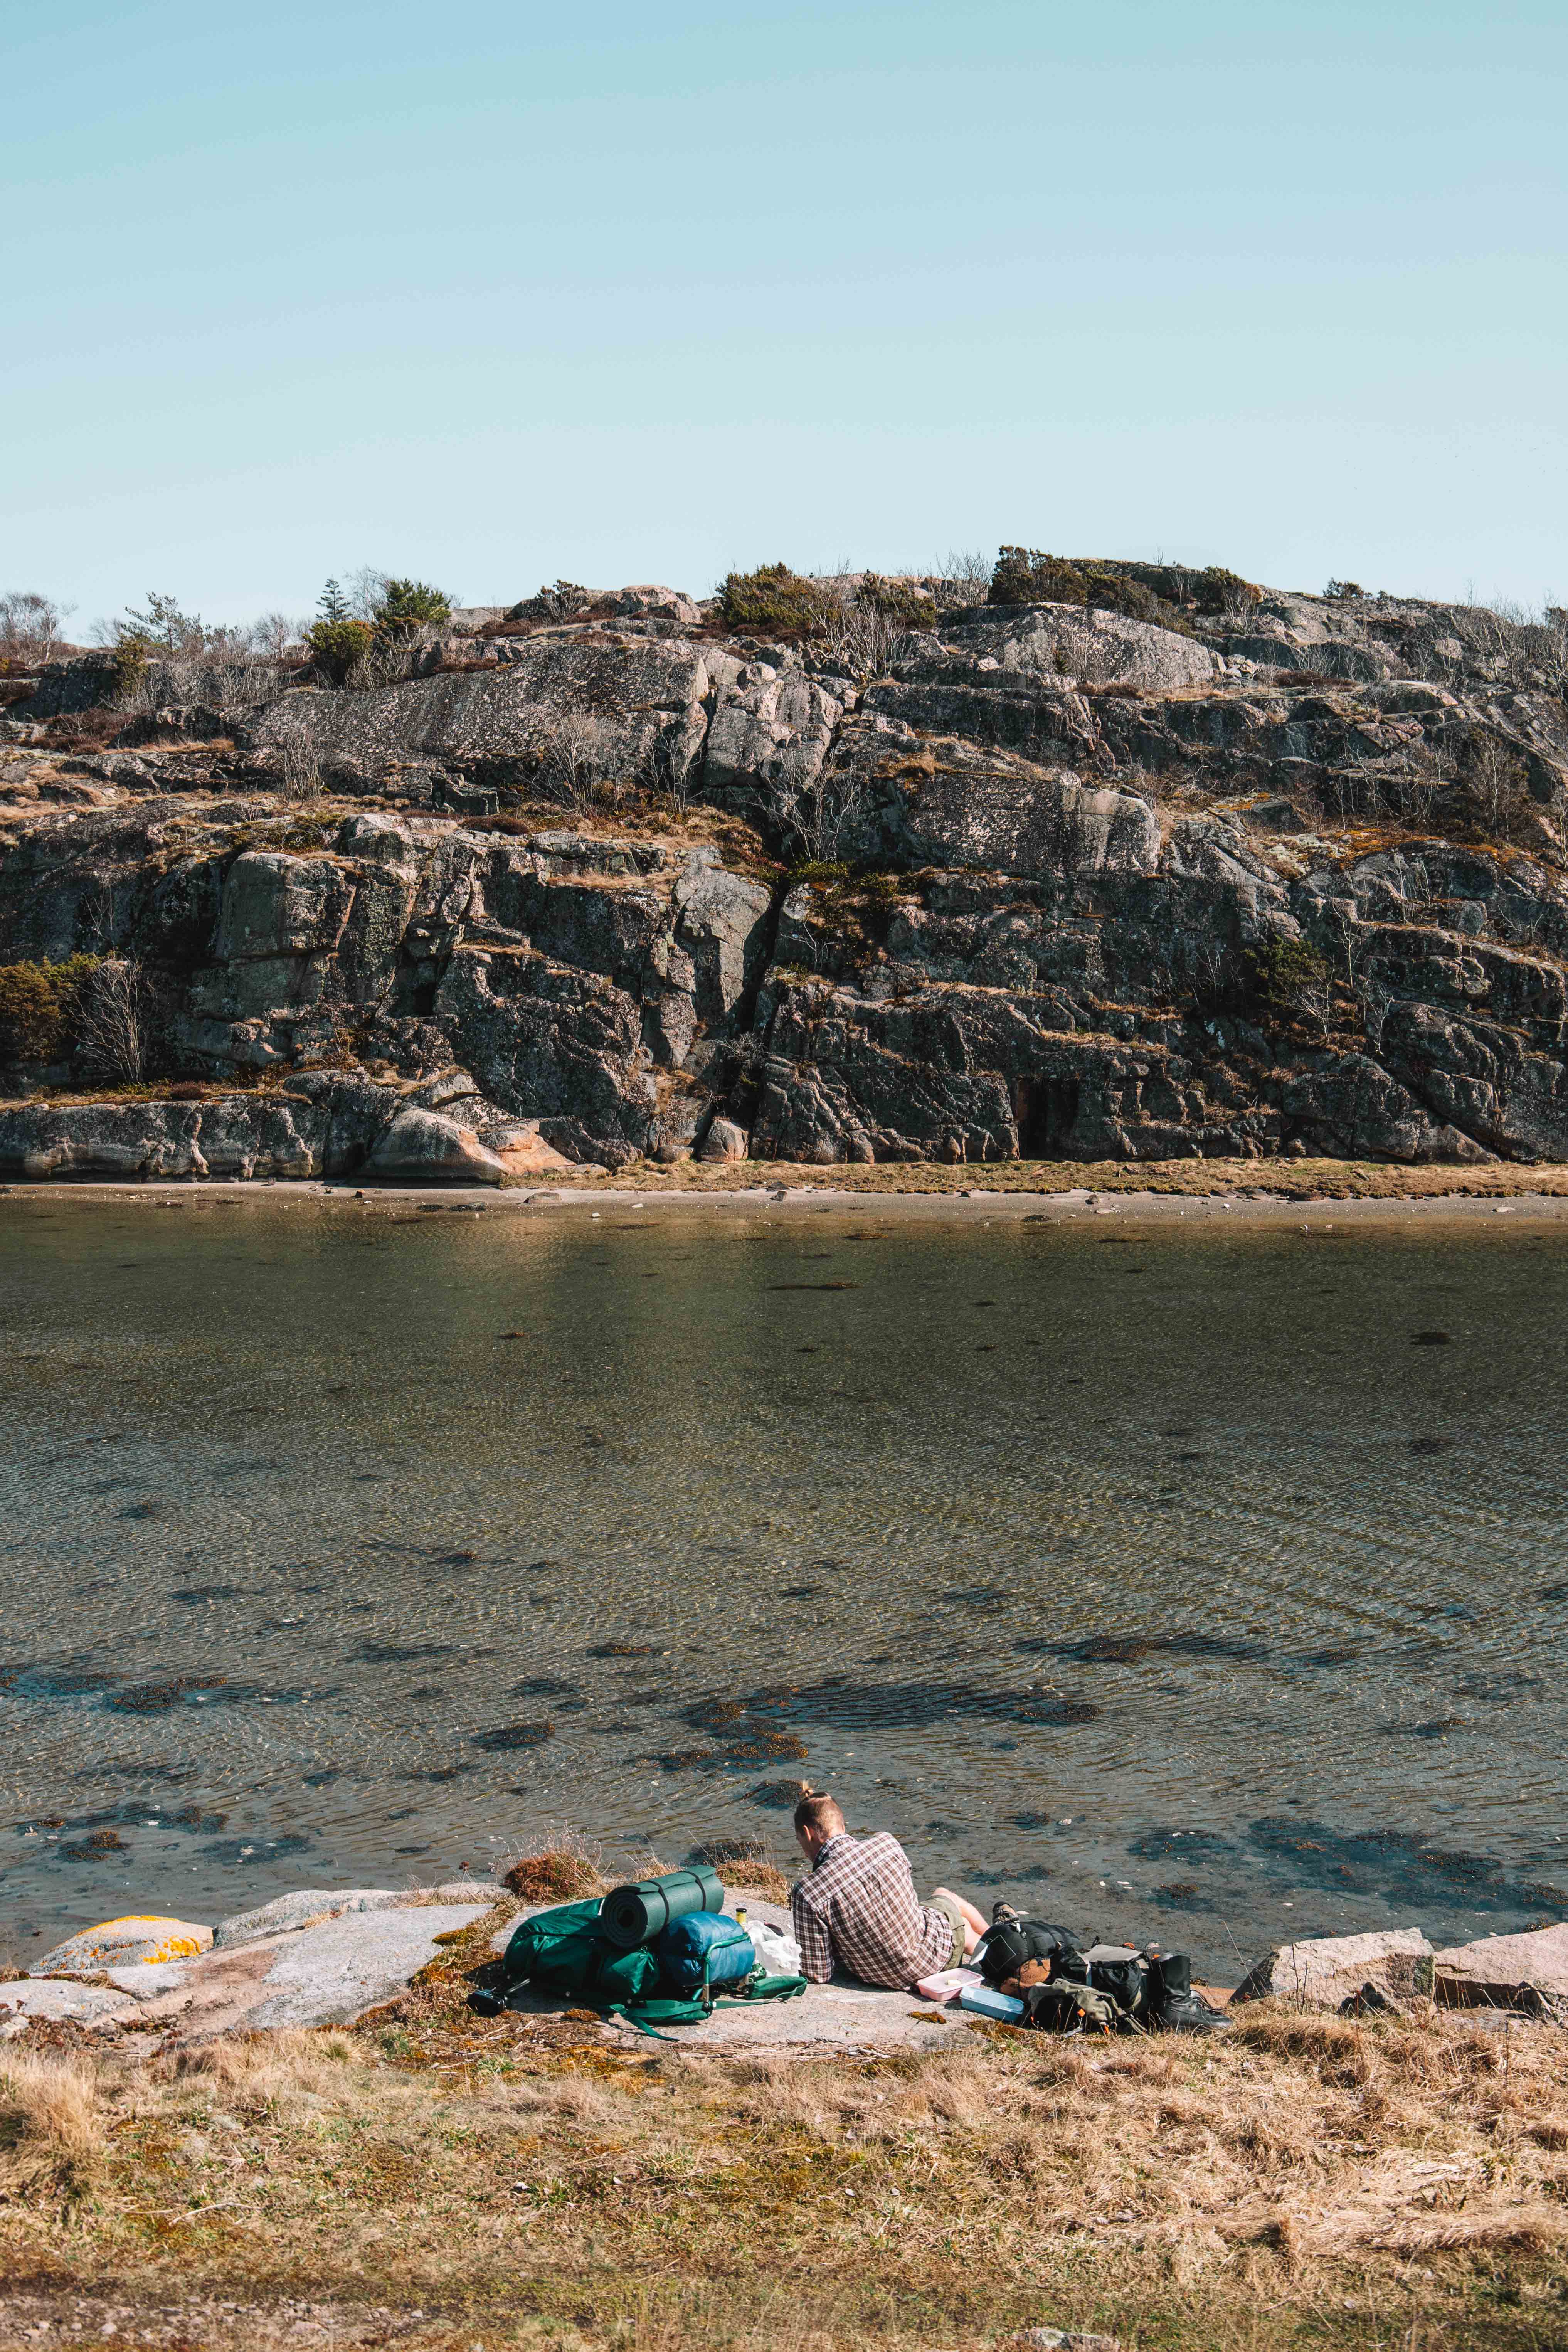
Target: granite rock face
{"type": "Point", "coordinates": [1289, 874]}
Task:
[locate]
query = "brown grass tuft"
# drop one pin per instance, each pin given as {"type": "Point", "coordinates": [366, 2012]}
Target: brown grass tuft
{"type": "Point", "coordinates": [51, 2124]}
{"type": "Point", "coordinates": [557, 1875]}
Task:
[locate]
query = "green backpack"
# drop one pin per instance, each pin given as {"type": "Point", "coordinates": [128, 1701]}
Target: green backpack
{"type": "Point", "coordinates": [565, 1953]}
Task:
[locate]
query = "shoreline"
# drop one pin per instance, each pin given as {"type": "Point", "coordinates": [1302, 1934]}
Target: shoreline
{"type": "Point", "coordinates": [1362, 1193]}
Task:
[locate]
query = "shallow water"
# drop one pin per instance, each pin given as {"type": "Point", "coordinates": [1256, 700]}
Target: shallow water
{"type": "Point", "coordinates": [1158, 1575]}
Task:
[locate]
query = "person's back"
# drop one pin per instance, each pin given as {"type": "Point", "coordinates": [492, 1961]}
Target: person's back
{"type": "Point", "coordinates": [857, 1908]}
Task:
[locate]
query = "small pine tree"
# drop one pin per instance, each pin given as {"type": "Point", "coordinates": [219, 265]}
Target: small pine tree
{"type": "Point", "coordinates": [409, 604]}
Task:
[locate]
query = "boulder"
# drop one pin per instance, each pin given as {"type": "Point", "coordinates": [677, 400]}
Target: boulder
{"type": "Point", "coordinates": [119, 1942]}
{"type": "Point", "coordinates": [1528, 1971]}
{"type": "Point", "coordinates": [426, 1147]}
{"type": "Point", "coordinates": [725, 1140]}
{"type": "Point", "coordinates": [1330, 1970]}
{"type": "Point", "coordinates": [522, 1151]}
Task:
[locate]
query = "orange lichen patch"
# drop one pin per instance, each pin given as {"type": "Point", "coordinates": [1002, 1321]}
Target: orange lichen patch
{"type": "Point", "coordinates": [138, 1936]}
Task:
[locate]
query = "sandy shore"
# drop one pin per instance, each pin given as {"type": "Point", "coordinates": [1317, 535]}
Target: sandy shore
{"type": "Point", "coordinates": [1356, 1193]}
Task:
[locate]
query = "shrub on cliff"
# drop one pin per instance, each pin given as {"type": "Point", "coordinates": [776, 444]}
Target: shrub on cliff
{"type": "Point", "coordinates": [1024, 575]}
{"type": "Point", "coordinates": [339, 647]}
{"type": "Point", "coordinates": [409, 604]}
{"type": "Point", "coordinates": [40, 1008]}
{"type": "Point", "coordinates": [128, 666]}
{"type": "Point", "coordinates": [1290, 977]}
{"type": "Point", "coordinates": [898, 601]}
{"type": "Point", "coordinates": [773, 599]}
{"type": "Point", "coordinates": [1217, 589]}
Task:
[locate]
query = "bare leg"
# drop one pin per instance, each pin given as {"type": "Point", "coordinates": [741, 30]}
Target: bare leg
{"type": "Point", "coordinates": [973, 1925]}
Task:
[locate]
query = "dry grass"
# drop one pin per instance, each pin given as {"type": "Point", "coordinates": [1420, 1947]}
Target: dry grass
{"type": "Point", "coordinates": [52, 2126]}
{"type": "Point", "coordinates": [1392, 2182]}
{"type": "Point", "coordinates": [565, 1871]}
{"type": "Point", "coordinates": [1286, 1180]}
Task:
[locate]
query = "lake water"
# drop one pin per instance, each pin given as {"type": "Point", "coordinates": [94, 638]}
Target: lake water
{"type": "Point", "coordinates": [1160, 1575]}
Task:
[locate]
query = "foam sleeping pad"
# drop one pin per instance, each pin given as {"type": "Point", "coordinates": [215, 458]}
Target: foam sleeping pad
{"type": "Point", "coordinates": [635, 1914]}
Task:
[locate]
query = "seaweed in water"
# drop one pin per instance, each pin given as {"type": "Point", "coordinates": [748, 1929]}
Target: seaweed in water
{"type": "Point", "coordinates": [513, 1735]}
{"type": "Point", "coordinates": [402, 1654]}
{"type": "Point", "coordinates": [93, 1848]}
{"type": "Point", "coordinates": [56, 1682]}
{"type": "Point", "coordinates": [1131, 1649]}
{"type": "Point", "coordinates": [740, 1735]}
{"type": "Point", "coordinates": [779, 1796]}
{"type": "Point", "coordinates": [157, 1697]}
{"type": "Point", "coordinates": [1183, 1895]}
{"type": "Point", "coordinates": [900, 1706]}
{"type": "Point", "coordinates": [1399, 1866]}
{"type": "Point", "coordinates": [237, 1849]}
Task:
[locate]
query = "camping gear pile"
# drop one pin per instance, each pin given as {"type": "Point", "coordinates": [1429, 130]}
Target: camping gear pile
{"type": "Point", "coordinates": [1027, 1972]}
{"type": "Point", "coordinates": [660, 1952]}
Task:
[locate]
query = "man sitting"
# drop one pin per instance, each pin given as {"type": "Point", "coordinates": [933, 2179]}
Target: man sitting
{"type": "Point", "coordinates": [856, 1910]}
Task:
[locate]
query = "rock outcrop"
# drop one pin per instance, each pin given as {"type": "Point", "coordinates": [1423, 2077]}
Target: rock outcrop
{"type": "Point", "coordinates": [1289, 874]}
{"type": "Point", "coordinates": [1329, 1970]}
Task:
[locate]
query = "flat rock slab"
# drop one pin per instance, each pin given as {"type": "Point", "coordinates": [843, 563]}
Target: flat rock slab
{"type": "Point", "coordinates": [1329, 1969]}
{"type": "Point", "coordinates": [326, 1974]}
{"type": "Point", "coordinates": [308, 1904]}
{"type": "Point", "coordinates": [23, 1998]}
{"type": "Point", "coordinates": [842, 2015]}
{"type": "Point", "coordinates": [1500, 1972]}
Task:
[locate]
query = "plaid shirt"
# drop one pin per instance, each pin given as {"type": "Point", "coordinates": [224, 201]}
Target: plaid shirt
{"type": "Point", "coordinates": [858, 1911]}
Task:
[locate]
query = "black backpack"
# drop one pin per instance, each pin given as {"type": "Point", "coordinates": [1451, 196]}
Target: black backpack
{"type": "Point", "coordinates": [1107, 1988]}
{"type": "Point", "coordinates": [1003, 1950]}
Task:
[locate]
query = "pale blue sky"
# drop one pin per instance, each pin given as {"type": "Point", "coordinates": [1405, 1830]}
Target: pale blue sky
{"type": "Point", "coordinates": [493, 293]}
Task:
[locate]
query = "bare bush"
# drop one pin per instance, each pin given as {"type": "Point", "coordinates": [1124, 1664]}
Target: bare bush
{"type": "Point", "coordinates": [577, 761]}
{"type": "Point", "coordinates": [819, 812]}
{"type": "Point", "coordinates": [861, 639]}
{"type": "Point", "coordinates": [664, 773]}
{"type": "Point", "coordinates": [968, 570]}
{"type": "Point", "coordinates": [275, 635]}
{"type": "Point", "coordinates": [1495, 780]}
{"type": "Point", "coordinates": [300, 769]}
{"type": "Point", "coordinates": [112, 1021]}
{"type": "Point", "coordinates": [30, 628]}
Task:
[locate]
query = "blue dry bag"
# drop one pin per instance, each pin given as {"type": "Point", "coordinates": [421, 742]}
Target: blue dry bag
{"type": "Point", "coordinates": [704, 1949]}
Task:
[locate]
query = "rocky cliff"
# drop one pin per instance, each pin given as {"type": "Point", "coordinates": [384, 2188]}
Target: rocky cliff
{"type": "Point", "coordinates": [1273, 873]}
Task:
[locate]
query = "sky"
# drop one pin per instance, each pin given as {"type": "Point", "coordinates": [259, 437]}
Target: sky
{"type": "Point", "coordinates": [495, 295]}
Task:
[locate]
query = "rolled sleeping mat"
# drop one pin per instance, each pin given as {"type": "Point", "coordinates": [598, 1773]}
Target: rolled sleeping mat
{"type": "Point", "coordinates": [635, 1914]}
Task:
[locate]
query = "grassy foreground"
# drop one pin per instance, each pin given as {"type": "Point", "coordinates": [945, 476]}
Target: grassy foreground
{"type": "Point", "coordinates": [442, 2181]}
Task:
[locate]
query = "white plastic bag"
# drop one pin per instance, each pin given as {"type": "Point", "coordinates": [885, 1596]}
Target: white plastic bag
{"type": "Point", "coordinates": [776, 1951]}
